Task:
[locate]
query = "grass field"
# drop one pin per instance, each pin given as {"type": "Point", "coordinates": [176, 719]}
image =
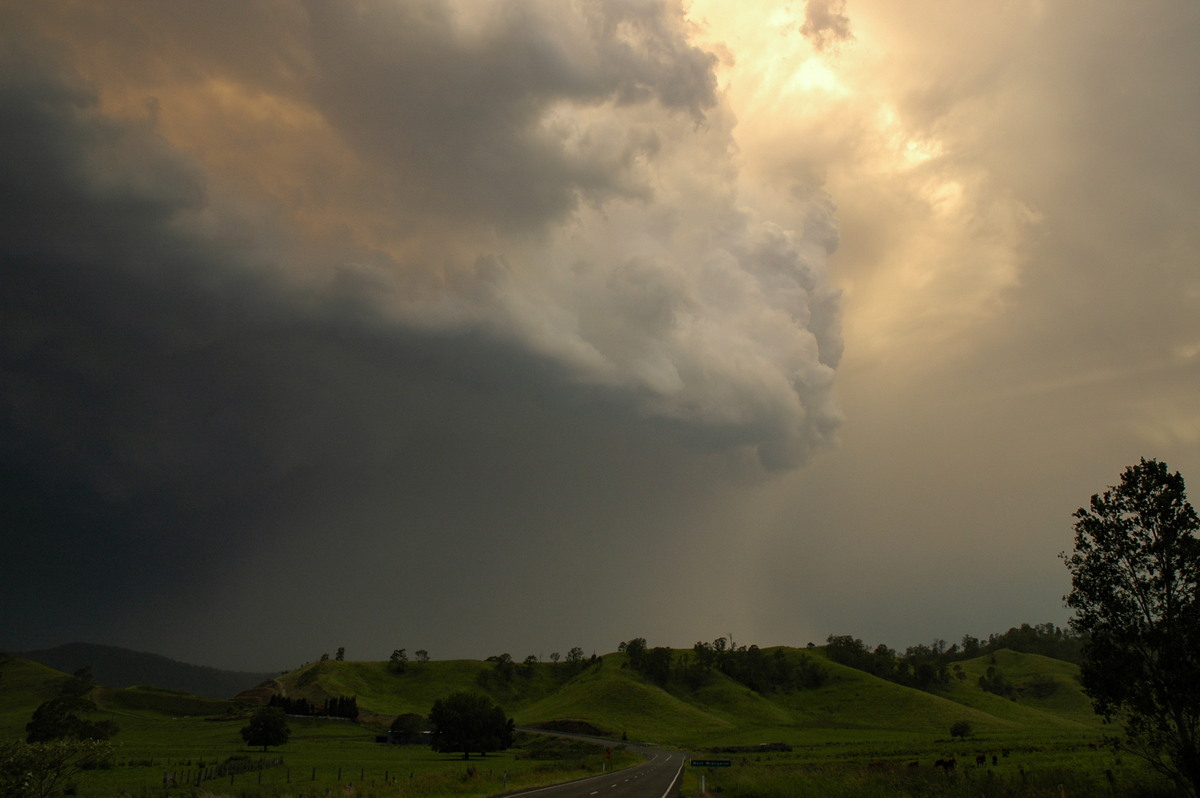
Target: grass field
{"type": "Point", "coordinates": [854, 736]}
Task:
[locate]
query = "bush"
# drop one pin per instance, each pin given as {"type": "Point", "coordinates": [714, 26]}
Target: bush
{"type": "Point", "coordinates": [961, 729]}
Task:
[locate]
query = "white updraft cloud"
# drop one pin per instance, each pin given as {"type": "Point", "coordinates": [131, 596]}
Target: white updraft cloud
{"type": "Point", "coordinates": [596, 126]}
{"type": "Point", "coordinates": [694, 308]}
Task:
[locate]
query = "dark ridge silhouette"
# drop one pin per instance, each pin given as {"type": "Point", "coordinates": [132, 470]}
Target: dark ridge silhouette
{"type": "Point", "coordinates": [119, 667]}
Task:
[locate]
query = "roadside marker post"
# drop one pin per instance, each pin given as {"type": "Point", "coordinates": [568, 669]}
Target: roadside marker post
{"type": "Point", "coordinates": [709, 763]}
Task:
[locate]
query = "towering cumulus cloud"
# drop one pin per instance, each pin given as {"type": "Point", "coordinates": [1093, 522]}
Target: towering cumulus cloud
{"type": "Point", "coordinates": [303, 243]}
{"type": "Point", "coordinates": [557, 176]}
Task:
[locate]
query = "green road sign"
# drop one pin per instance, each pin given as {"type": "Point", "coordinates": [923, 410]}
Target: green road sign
{"type": "Point", "coordinates": [710, 763]}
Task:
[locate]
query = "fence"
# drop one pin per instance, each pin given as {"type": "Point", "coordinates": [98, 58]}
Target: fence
{"type": "Point", "coordinates": [231, 768]}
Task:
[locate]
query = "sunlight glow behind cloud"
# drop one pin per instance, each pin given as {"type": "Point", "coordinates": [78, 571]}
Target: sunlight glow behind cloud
{"type": "Point", "coordinates": [431, 290]}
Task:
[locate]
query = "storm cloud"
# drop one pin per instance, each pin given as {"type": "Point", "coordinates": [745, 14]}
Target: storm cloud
{"type": "Point", "coordinates": [515, 326]}
{"type": "Point", "coordinates": [484, 271]}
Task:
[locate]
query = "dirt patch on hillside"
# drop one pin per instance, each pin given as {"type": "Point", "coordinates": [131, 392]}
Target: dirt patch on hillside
{"type": "Point", "coordinates": [262, 694]}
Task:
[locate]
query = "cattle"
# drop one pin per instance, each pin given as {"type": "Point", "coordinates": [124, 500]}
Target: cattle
{"type": "Point", "coordinates": [946, 764]}
{"type": "Point", "coordinates": [980, 760]}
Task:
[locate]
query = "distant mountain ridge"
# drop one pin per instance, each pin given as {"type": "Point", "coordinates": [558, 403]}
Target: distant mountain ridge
{"type": "Point", "coordinates": [120, 667]}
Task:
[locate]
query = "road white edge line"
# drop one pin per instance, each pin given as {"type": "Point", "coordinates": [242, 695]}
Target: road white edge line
{"type": "Point", "coordinates": [675, 780]}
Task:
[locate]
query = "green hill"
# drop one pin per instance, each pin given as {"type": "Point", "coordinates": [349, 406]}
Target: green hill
{"type": "Point", "coordinates": [615, 700]}
{"type": "Point", "coordinates": [1043, 694]}
{"type": "Point", "coordinates": [23, 686]}
{"type": "Point", "coordinates": [175, 703]}
{"type": "Point", "coordinates": [1044, 690]}
{"type": "Point", "coordinates": [611, 697]}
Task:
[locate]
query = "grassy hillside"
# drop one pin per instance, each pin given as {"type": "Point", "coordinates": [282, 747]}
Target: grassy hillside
{"type": "Point", "coordinates": [852, 719]}
{"type": "Point", "coordinates": [380, 692]}
{"type": "Point", "coordinates": [1045, 690]}
{"type": "Point", "coordinates": [615, 700]}
{"type": "Point", "coordinates": [612, 697]}
{"type": "Point", "coordinates": [173, 703]}
{"type": "Point", "coordinates": [1044, 696]}
{"type": "Point", "coordinates": [23, 686]}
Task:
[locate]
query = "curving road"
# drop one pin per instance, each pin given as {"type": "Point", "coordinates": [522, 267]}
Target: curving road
{"type": "Point", "coordinates": [658, 777]}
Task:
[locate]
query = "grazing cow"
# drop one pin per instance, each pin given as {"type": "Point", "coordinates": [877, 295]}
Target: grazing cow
{"type": "Point", "coordinates": [980, 760]}
{"type": "Point", "coordinates": [914, 764]}
{"type": "Point", "coordinates": [995, 761]}
{"type": "Point", "coordinates": [946, 764]}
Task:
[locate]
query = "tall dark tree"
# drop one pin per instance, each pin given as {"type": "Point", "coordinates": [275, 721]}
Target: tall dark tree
{"type": "Point", "coordinates": [59, 719]}
{"type": "Point", "coordinates": [1135, 590]}
{"type": "Point", "coordinates": [408, 729]}
{"type": "Point", "coordinates": [268, 726]}
{"type": "Point", "coordinates": [469, 723]}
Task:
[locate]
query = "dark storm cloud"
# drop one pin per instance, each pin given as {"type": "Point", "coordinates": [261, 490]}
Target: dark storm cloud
{"type": "Point", "coordinates": [460, 113]}
{"type": "Point", "coordinates": [206, 392]}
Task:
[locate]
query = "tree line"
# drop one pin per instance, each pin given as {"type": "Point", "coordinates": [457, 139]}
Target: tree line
{"type": "Point", "coordinates": [932, 666]}
{"type": "Point", "coordinates": [505, 669]}
{"type": "Point", "coordinates": [779, 671]}
{"type": "Point", "coordinates": [336, 707]}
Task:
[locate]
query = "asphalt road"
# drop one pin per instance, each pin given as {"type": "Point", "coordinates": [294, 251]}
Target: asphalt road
{"type": "Point", "coordinates": [659, 776]}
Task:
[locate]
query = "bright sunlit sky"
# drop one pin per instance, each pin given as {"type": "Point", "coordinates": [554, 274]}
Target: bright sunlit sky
{"type": "Point", "coordinates": [512, 326]}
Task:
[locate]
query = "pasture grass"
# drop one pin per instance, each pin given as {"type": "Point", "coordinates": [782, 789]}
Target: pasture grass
{"type": "Point", "coordinates": [1035, 765]}
{"type": "Point", "coordinates": [322, 757]}
{"type": "Point", "coordinates": [854, 736]}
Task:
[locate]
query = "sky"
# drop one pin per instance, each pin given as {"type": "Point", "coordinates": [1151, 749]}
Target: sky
{"type": "Point", "coordinates": [519, 325]}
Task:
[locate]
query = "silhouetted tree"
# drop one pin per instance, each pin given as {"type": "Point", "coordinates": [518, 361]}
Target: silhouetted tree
{"type": "Point", "coordinates": [504, 668]}
{"type": "Point", "coordinates": [409, 728]}
{"type": "Point", "coordinates": [1135, 590]}
{"type": "Point", "coordinates": [58, 719]}
{"type": "Point", "coordinates": [268, 726]}
{"type": "Point", "coordinates": [656, 665]}
{"type": "Point", "coordinates": [341, 653]}
{"type": "Point", "coordinates": [469, 723]}
{"type": "Point", "coordinates": [635, 649]}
